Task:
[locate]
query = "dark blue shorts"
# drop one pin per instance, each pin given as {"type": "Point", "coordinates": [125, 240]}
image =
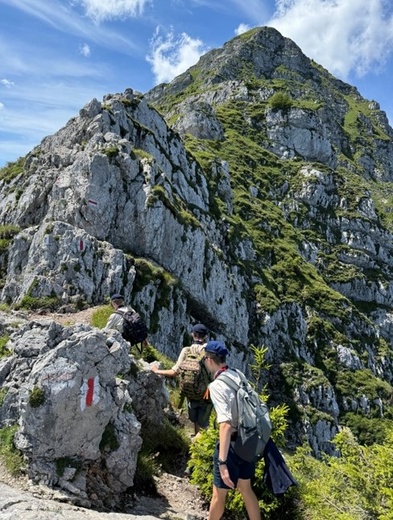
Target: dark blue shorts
{"type": "Point", "coordinates": [237, 467]}
{"type": "Point", "coordinates": [199, 412]}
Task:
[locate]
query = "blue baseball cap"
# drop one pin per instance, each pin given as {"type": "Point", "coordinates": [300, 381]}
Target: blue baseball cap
{"type": "Point", "coordinates": [199, 328]}
{"type": "Point", "coordinates": [216, 347]}
{"type": "Point", "coordinates": [117, 297]}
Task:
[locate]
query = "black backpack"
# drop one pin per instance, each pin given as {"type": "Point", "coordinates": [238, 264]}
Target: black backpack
{"type": "Point", "coordinates": [134, 327]}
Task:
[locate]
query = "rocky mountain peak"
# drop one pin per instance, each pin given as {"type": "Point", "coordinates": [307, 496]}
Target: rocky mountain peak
{"type": "Point", "coordinates": [253, 194]}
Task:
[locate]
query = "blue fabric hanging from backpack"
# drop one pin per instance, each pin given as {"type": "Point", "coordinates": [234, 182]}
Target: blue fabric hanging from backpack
{"type": "Point", "coordinates": [277, 476]}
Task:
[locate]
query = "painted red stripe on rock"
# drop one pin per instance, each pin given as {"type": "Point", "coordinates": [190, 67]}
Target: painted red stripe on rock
{"type": "Point", "coordinates": [90, 391]}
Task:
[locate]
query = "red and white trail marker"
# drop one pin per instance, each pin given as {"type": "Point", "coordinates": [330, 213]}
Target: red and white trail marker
{"type": "Point", "coordinates": [90, 392]}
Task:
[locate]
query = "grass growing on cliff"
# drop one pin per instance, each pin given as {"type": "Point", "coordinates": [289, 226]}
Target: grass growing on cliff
{"type": "Point", "coordinates": [10, 456]}
{"type": "Point", "coordinates": [4, 351]}
{"type": "Point", "coordinates": [3, 394]}
{"type": "Point", "coordinates": [29, 302]}
{"type": "Point", "coordinates": [100, 317]}
{"type": "Point", "coordinates": [12, 170]}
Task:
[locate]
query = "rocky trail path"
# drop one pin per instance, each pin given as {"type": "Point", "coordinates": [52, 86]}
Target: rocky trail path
{"type": "Point", "coordinates": [20, 499]}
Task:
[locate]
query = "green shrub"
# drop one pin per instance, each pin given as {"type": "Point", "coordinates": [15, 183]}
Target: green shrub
{"type": "Point", "coordinates": [368, 430]}
{"type": "Point", "coordinates": [280, 101]}
{"type": "Point", "coordinates": [357, 485]}
{"type": "Point", "coordinates": [36, 397]}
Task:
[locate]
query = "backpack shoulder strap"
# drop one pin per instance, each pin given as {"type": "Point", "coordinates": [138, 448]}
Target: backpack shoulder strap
{"type": "Point", "coordinates": [228, 379]}
{"type": "Point", "coordinates": [125, 310]}
{"type": "Point", "coordinates": [244, 383]}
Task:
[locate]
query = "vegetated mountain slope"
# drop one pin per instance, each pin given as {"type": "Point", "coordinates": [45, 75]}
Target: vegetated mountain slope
{"type": "Point", "coordinates": [262, 210]}
{"type": "Point", "coordinates": [311, 168]}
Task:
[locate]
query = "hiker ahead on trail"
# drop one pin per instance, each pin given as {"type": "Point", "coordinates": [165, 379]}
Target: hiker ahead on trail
{"type": "Point", "coordinates": [127, 321]}
{"type": "Point", "coordinates": [193, 378]}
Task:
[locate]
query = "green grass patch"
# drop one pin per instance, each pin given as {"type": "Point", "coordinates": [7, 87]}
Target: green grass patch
{"type": "Point", "coordinates": [12, 170]}
{"type": "Point", "coordinates": [100, 316]}
{"type": "Point", "coordinates": [4, 351]}
{"type": "Point", "coordinates": [10, 456]}
{"type": "Point", "coordinates": [3, 393]}
{"type": "Point", "coordinates": [31, 303]}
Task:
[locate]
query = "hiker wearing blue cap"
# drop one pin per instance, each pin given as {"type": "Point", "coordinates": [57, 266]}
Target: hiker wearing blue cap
{"type": "Point", "coordinates": [230, 471]}
{"type": "Point", "coordinates": [193, 384]}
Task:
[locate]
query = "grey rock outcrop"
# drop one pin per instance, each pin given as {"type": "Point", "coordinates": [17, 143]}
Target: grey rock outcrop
{"type": "Point", "coordinates": [264, 213]}
{"type": "Point", "coordinates": [134, 196]}
{"type": "Point", "coordinates": [21, 505]}
{"type": "Point", "coordinates": [73, 400]}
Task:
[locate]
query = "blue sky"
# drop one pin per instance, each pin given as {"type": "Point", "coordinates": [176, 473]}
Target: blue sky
{"type": "Point", "coordinates": [56, 55]}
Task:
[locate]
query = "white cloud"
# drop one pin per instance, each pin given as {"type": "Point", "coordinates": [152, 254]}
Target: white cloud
{"type": "Point", "coordinates": [62, 16]}
{"type": "Point", "coordinates": [85, 50]}
{"type": "Point", "coordinates": [243, 27]}
{"type": "Point", "coordinates": [44, 109]}
{"type": "Point", "coordinates": [342, 35]}
{"type": "Point", "coordinates": [7, 83]}
{"type": "Point", "coordinates": [170, 55]}
{"type": "Point", "coordinates": [100, 10]}
{"type": "Point", "coordinates": [1, 105]}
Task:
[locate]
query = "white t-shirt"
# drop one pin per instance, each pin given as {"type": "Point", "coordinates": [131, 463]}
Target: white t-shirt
{"type": "Point", "coordinates": [115, 321]}
{"type": "Point", "coordinates": [224, 400]}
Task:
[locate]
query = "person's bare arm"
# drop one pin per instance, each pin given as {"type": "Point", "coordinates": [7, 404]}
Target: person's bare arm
{"type": "Point", "coordinates": [167, 373]}
{"type": "Point", "coordinates": [225, 430]}
{"type": "Point", "coordinates": [171, 372]}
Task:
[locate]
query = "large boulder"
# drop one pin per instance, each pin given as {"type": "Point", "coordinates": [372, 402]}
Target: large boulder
{"type": "Point", "coordinates": [72, 399]}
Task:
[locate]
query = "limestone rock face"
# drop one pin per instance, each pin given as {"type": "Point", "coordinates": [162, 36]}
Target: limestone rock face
{"type": "Point", "coordinates": [62, 261]}
{"type": "Point", "coordinates": [130, 192]}
{"type": "Point", "coordinates": [252, 193]}
{"type": "Point", "coordinates": [74, 412]}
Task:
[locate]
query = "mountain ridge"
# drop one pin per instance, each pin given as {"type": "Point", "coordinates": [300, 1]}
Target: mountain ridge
{"type": "Point", "coordinates": [260, 205]}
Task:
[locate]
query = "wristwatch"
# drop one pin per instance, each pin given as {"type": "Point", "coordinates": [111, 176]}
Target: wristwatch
{"type": "Point", "coordinates": [222, 462]}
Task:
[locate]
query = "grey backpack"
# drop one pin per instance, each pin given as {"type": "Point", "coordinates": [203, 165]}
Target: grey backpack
{"type": "Point", "coordinates": [254, 421]}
